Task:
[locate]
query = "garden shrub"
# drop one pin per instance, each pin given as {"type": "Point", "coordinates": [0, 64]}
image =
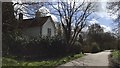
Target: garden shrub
{"type": "Point", "coordinates": [116, 54]}
{"type": "Point", "coordinates": [86, 49]}
{"type": "Point", "coordinates": [9, 62]}
{"type": "Point", "coordinates": [58, 46]}
{"type": "Point", "coordinates": [77, 47]}
{"type": "Point", "coordinates": [39, 47]}
{"type": "Point", "coordinates": [95, 47]}
{"type": "Point", "coordinates": [114, 59]}
{"type": "Point", "coordinates": [12, 44]}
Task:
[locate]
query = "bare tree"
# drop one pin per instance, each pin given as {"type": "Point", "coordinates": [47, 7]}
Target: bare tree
{"type": "Point", "coordinates": [115, 7]}
{"type": "Point", "coordinates": [75, 14]}
{"type": "Point", "coordinates": [28, 8]}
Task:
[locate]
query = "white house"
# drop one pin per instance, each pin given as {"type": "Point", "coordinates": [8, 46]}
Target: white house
{"type": "Point", "coordinates": [40, 25]}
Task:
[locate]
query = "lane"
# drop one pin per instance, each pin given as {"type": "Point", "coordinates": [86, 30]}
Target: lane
{"type": "Point", "coordinates": [97, 59]}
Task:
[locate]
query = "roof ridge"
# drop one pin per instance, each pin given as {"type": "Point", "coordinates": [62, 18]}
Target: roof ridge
{"type": "Point", "coordinates": [39, 17]}
{"type": "Point", "coordinates": [34, 22]}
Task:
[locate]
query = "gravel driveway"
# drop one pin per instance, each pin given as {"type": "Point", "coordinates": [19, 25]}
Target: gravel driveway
{"type": "Point", "coordinates": [96, 59]}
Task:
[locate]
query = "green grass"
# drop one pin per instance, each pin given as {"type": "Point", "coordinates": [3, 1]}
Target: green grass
{"type": "Point", "coordinates": [12, 62]}
{"type": "Point", "coordinates": [116, 54]}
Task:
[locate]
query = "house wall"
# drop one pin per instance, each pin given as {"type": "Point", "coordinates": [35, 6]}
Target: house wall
{"type": "Point", "coordinates": [34, 31]}
{"type": "Point", "coordinates": [47, 25]}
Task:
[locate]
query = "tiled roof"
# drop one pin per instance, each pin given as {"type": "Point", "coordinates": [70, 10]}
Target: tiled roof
{"type": "Point", "coordinates": [33, 22]}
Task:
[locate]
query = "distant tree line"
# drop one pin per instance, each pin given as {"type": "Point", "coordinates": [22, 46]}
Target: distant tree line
{"type": "Point", "coordinates": [97, 39]}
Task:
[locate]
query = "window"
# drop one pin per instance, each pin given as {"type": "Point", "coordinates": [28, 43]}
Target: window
{"type": "Point", "coordinates": [49, 32]}
{"type": "Point", "coordinates": [40, 31]}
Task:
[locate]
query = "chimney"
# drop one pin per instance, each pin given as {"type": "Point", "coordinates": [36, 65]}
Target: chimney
{"type": "Point", "coordinates": [20, 16]}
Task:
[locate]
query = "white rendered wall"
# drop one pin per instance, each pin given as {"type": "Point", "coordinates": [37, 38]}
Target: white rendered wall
{"type": "Point", "coordinates": [47, 25]}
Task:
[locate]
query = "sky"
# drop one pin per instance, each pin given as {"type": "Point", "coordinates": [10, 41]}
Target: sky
{"type": "Point", "coordinates": [104, 18]}
{"type": "Point", "coordinates": [101, 17]}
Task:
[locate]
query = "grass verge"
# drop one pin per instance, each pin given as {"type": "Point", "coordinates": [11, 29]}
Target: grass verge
{"type": "Point", "coordinates": [116, 54]}
{"type": "Point", "coordinates": [56, 62]}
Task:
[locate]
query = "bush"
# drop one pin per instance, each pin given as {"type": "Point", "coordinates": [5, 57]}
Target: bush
{"type": "Point", "coordinates": [11, 43]}
{"type": "Point", "coordinates": [114, 59]}
{"type": "Point", "coordinates": [35, 48]}
{"type": "Point", "coordinates": [44, 47]}
{"type": "Point", "coordinates": [116, 55]}
{"type": "Point", "coordinates": [86, 49]}
{"type": "Point", "coordinates": [77, 47]}
{"type": "Point", "coordinates": [9, 62]}
{"type": "Point", "coordinates": [95, 47]}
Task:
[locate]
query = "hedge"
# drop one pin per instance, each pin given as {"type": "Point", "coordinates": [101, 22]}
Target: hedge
{"type": "Point", "coordinates": [47, 47]}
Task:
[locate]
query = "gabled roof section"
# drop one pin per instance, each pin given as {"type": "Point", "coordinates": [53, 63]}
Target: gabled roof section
{"type": "Point", "coordinates": [33, 22]}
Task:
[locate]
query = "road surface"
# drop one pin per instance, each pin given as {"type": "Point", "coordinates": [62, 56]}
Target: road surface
{"type": "Point", "coordinates": [96, 59]}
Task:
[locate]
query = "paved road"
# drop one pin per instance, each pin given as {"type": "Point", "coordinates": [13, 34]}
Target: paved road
{"type": "Point", "coordinates": [96, 59]}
